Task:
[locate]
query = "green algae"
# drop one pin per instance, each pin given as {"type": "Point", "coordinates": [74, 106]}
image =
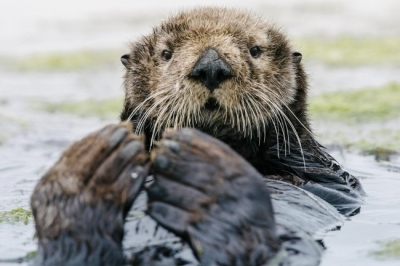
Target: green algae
{"type": "Point", "coordinates": [378, 143]}
{"type": "Point", "coordinates": [103, 109]}
{"type": "Point", "coordinates": [7, 118]}
{"type": "Point", "coordinates": [389, 250]}
{"type": "Point", "coordinates": [30, 255]}
{"type": "Point", "coordinates": [381, 154]}
{"type": "Point", "coordinates": [351, 51]}
{"type": "Point", "coordinates": [358, 106]}
{"type": "Point", "coordinates": [365, 120]}
{"type": "Point", "coordinates": [376, 139]}
{"type": "Point", "coordinates": [15, 215]}
{"type": "Point", "coordinates": [68, 61]}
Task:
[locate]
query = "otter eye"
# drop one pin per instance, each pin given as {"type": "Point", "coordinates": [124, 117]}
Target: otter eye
{"type": "Point", "coordinates": [166, 55]}
{"type": "Point", "coordinates": [255, 51]}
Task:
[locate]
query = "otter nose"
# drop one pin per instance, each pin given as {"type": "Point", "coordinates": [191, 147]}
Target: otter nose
{"type": "Point", "coordinates": [211, 70]}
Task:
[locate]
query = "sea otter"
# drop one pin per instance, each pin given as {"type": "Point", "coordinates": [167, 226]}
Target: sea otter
{"type": "Point", "coordinates": [237, 78]}
{"type": "Point", "coordinates": [233, 190]}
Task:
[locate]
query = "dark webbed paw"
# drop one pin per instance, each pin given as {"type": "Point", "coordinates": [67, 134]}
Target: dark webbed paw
{"type": "Point", "coordinates": [212, 198]}
{"type": "Point", "coordinates": [80, 204]}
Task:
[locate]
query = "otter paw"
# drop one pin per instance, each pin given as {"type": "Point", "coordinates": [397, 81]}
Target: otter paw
{"type": "Point", "coordinates": [94, 183]}
{"type": "Point", "coordinates": [211, 197]}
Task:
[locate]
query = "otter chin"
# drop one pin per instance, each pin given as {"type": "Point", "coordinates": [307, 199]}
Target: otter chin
{"type": "Point", "coordinates": [237, 78]}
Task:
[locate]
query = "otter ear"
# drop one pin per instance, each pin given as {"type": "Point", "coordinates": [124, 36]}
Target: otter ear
{"type": "Point", "coordinates": [125, 60]}
{"type": "Point", "coordinates": [296, 57]}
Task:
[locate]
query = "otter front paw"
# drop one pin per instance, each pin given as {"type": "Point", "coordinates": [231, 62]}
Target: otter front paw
{"type": "Point", "coordinates": [80, 204]}
{"type": "Point", "coordinates": [211, 197]}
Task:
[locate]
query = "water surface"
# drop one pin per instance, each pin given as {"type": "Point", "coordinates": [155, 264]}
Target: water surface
{"type": "Point", "coordinates": [31, 139]}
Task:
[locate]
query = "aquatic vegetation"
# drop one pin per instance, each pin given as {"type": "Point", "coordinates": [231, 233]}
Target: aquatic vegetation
{"type": "Point", "coordinates": [364, 120]}
{"type": "Point", "coordinates": [7, 118]}
{"type": "Point", "coordinates": [381, 143]}
{"type": "Point", "coordinates": [389, 249]}
{"type": "Point", "coordinates": [30, 255]}
{"type": "Point", "coordinates": [68, 60]}
{"type": "Point", "coordinates": [15, 215]}
{"type": "Point", "coordinates": [352, 51]}
{"type": "Point", "coordinates": [11, 124]}
{"type": "Point", "coordinates": [358, 106]}
{"type": "Point", "coordinates": [370, 139]}
{"type": "Point", "coordinates": [104, 109]}
{"type": "Point", "coordinates": [381, 154]}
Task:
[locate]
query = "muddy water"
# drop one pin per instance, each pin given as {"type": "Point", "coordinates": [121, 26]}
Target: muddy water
{"type": "Point", "coordinates": [32, 140]}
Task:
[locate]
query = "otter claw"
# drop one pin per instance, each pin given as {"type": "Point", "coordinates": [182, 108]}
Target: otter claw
{"type": "Point", "coordinates": [162, 163]}
{"type": "Point", "coordinates": [173, 145]}
{"type": "Point", "coordinates": [116, 137]}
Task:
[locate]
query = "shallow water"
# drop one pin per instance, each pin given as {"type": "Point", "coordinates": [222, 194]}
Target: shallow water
{"type": "Point", "coordinates": [34, 147]}
{"type": "Point", "coordinates": [379, 219]}
{"type": "Point", "coordinates": [32, 140]}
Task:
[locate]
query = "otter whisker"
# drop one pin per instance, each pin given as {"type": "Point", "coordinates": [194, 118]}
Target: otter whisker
{"type": "Point", "coordinates": [161, 120]}
{"type": "Point", "coordinates": [308, 130]}
{"type": "Point", "coordinates": [244, 129]}
{"type": "Point", "coordinates": [287, 107]}
{"type": "Point", "coordinates": [276, 103]}
{"type": "Point", "coordinates": [275, 120]}
{"type": "Point", "coordinates": [140, 105]}
{"type": "Point", "coordinates": [225, 115]}
{"type": "Point", "coordinates": [143, 119]}
{"type": "Point", "coordinates": [187, 117]}
{"type": "Point", "coordinates": [256, 112]}
{"type": "Point", "coordinates": [296, 135]}
{"type": "Point", "coordinates": [246, 119]}
{"type": "Point", "coordinates": [235, 123]}
{"type": "Point", "coordinates": [176, 109]}
{"type": "Point", "coordinates": [285, 132]}
{"type": "Point", "coordinates": [275, 109]}
{"type": "Point", "coordinates": [289, 121]}
{"type": "Point", "coordinates": [280, 118]}
{"type": "Point", "coordinates": [181, 114]}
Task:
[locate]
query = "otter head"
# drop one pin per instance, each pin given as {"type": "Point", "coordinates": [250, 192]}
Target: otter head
{"type": "Point", "coordinates": [225, 72]}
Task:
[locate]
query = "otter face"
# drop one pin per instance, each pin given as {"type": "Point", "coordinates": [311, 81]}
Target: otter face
{"type": "Point", "coordinates": [225, 72]}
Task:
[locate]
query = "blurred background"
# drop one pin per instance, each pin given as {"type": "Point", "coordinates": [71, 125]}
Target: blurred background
{"type": "Point", "coordinates": [61, 78]}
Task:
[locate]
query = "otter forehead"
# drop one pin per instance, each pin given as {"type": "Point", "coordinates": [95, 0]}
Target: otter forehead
{"type": "Point", "coordinates": [203, 22]}
{"type": "Point", "coordinates": [220, 28]}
